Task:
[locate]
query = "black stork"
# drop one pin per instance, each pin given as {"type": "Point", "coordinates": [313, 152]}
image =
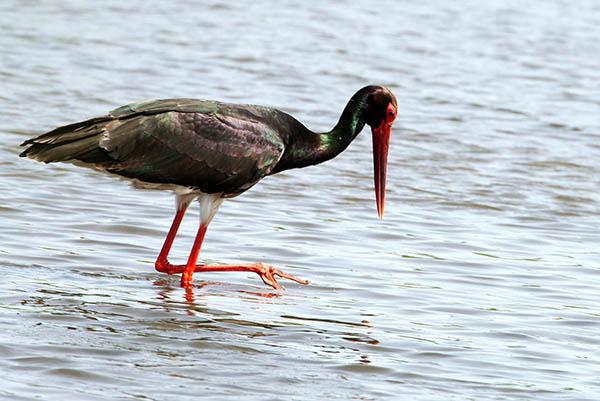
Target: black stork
{"type": "Point", "coordinates": [211, 151]}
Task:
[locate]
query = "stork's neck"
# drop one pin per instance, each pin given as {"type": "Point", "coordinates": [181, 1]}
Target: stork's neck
{"type": "Point", "coordinates": [306, 148]}
{"type": "Point", "coordinates": [348, 127]}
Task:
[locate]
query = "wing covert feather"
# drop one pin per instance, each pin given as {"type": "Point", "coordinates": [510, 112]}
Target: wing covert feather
{"type": "Point", "coordinates": [214, 154]}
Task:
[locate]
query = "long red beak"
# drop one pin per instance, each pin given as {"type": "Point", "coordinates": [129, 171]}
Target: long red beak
{"type": "Point", "coordinates": [381, 142]}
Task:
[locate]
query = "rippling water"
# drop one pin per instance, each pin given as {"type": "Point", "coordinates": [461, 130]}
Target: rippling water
{"type": "Point", "coordinates": [482, 282]}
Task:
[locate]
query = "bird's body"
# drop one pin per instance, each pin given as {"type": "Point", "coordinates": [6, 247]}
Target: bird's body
{"type": "Point", "coordinates": [210, 146]}
{"type": "Point", "coordinates": [201, 149]}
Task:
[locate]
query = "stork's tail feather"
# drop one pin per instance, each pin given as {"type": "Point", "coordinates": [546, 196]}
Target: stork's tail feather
{"type": "Point", "coordinates": [79, 141]}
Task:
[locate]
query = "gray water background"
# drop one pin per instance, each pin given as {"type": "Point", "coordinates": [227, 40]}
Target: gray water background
{"type": "Point", "coordinates": [481, 283]}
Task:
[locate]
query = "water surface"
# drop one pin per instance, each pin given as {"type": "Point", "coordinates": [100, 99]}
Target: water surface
{"type": "Point", "coordinates": [481, 283]}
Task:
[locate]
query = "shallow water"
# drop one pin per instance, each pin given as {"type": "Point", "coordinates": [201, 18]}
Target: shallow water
{"type": "Point", "coordinates": [481, 283]}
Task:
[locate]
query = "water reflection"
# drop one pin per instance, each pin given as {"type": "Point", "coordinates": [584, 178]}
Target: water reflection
{"type": "Point", "coordinates": [198, 289]}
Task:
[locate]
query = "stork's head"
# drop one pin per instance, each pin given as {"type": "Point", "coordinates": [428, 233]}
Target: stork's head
{"type": "Point", "coordinates": [379, 112]}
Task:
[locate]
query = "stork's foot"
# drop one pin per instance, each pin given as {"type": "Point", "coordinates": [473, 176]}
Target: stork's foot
{"type": "Point", "coordinates": [266, 272]}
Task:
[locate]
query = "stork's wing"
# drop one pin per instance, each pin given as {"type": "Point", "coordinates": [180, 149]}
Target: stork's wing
{"type": "Point", "coordinates": [187, 142]}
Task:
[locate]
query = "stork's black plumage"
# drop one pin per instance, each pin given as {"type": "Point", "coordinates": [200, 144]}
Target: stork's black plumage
{"type": "Point", "coordinates": [211, 147]}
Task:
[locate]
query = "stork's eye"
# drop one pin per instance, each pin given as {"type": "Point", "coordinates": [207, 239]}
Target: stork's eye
{"type": "Point", "coordinates": [390, 114]}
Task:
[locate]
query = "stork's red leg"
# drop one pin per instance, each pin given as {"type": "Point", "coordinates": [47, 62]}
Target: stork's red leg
{"type": "Point", "coordinates": [190, 267]}
{"type": "Point", "coordinates": [162, 263]}
{"type": "Point", "coordinates": [266, 272]}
